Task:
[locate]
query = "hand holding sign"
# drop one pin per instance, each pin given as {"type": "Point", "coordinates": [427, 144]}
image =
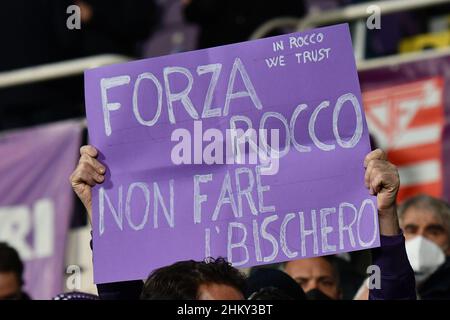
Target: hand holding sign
{"type": "Point", "coordinates": [382, 179]}
{"type": "Point", "coordinates": [87, 174]}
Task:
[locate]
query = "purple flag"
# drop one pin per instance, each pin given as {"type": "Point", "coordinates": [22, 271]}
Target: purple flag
{"type": "Point", "coordinates": [36, 200]}
{"type": "Point", "coordinates": [191, 175]}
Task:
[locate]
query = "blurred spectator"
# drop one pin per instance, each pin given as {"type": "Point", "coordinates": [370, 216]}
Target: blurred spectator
{"type": "Point", "coordinates": [36, 33]}
{"type": "Point", "coordinates": [231, 21]}
{"type": "Point", "coordinates": [425, 222]}
{"type": "Point", "coordinates": [173, 34]}
{"type": "Point", "coordinates": [315, 6]}
{"type": "Point", "coordinates": [428, 217]}
{"type": "Point", "coordinates": [394, 28]}
{"type": "Point", "coordinates": [214, 279]}
{"type": "Point", "coordinates": [264, 283]}
{"type": "Point", "coordinates": [116, 26]}
{"type": "Point", "coordinates": [426, 225]}
{"type": "Point", "coordinates": [317, 276]}
{"type": "Point", "coordinates": [11, 274]}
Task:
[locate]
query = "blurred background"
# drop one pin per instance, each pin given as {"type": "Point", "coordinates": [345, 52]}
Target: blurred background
{"type": "Point", "coordinates": [402, 49]}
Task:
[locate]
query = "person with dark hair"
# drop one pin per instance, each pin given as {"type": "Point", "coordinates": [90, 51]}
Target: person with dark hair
{"type": "Point", "coordinates": [265, 283]}
{"type": "Point", "coordinates": [11, 274]}
{"type": "Point", "coordinates": [116, 26]}
{"type": "Point", "coordinates": [314, 275]}
{"type": "Point", "coordinates": [382, 180]}
{"type": "Point", "coordinates": [212, 279]}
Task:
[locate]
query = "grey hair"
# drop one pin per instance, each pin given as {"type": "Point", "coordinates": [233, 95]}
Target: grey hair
{"type": "Point", "coordinates": [440, 208]}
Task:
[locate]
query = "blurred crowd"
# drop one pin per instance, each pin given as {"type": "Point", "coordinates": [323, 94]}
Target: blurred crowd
{"type": "Point", "coordinates": [425, 223]}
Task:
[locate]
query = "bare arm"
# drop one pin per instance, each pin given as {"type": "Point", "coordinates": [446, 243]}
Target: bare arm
{"type": "Point", "coordinates": [397, 277]}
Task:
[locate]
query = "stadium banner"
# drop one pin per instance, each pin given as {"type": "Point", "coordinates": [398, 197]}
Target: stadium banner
{"type": "Point", "coordinates": [408, 113]}
{"type": "Point", "coordinates": [252, 151]}
{"type": "Point", "coordinates": [36, 200]}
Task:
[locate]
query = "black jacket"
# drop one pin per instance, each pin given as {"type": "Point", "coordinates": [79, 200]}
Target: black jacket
{"type": "Point", "coordinates": [437, 286]}
{"type": "Point", "coordinates": [231, 21]}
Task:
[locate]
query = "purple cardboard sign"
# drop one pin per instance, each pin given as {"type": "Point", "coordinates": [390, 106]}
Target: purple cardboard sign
{"type": "Point", "coordinates": [172, 190]}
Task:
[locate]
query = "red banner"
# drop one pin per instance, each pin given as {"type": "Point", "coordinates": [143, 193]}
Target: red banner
{"type": "Point", "coordinates": [407, 109]}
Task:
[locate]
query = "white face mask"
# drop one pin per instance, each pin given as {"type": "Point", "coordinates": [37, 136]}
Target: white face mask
{"type": "Point", "coordinates": [424, 256]}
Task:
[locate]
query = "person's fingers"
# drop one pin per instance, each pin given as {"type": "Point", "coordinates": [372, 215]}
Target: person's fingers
{"type": "Point", "coordinates": [392, 178]}
{"type": "Point", "coordinates": [380, 174]}
{"type": "Point", "coordinates": [81, 178]}
{"type": "Point", "coordinates": [382, 179]}
{"type": "Point", "coordinates": [100, 168]}
{"type": "Point", "coordinates": [89, 150]}
{"type": "Point", "coordinates": [376, 182]}
{"type": "Point", "coordinates": [370, 167]}
{"type": "Point", "coordinates": [377, 154]}
{"type": "Point", "coordinates": [85, 173]}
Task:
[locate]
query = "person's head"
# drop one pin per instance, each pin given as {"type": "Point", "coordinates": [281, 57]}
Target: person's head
{"type": "Point", "coordinates": [315, 274]}
{"type": "Point", "coordinates": [428, 217]}
{"type": "Point", "coordinates": [212, 279]}
{"type": "Point", "coordinates": [272, 284]}
{"type": "Point", "coordinates": [11, 273]}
